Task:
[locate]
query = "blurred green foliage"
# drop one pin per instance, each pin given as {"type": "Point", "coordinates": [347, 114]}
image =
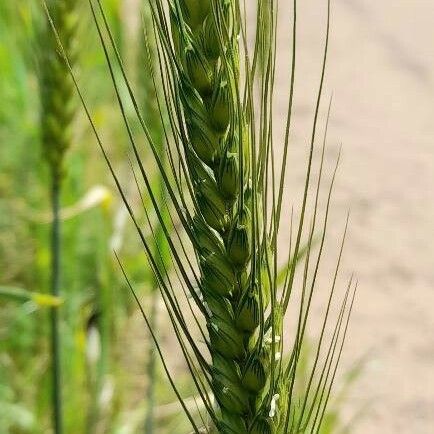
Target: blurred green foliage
{"type": "Point", "coordinates": [93, 223]}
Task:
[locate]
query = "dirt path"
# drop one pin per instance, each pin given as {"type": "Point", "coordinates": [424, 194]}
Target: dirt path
{"type": "Point", "coordinates": [381, 71]}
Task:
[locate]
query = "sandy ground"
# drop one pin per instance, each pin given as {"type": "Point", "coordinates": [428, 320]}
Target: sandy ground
{"type": "Point", "coordinates": [381, 73]}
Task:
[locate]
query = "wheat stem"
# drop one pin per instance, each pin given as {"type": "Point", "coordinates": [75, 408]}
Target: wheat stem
{"type": "Point", "coordinates": [54, 313]}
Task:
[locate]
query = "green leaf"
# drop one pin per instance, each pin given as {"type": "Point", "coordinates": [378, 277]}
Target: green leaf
{"type": "Point", "coordinates": [22, 295]}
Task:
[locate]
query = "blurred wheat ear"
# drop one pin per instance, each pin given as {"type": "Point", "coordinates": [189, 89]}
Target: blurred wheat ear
{"type": "Point", "coordinates": [57, 112]}
{"type": "Point", "coordinates": [227, 298]}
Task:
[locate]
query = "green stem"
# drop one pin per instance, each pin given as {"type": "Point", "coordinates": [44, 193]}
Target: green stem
{"type": "Point", "coordinates": [54, 314]}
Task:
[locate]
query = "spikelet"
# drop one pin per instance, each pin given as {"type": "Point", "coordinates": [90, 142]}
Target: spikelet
{"type": "Point", "coordinates": [231, 423]}
{"type": "Point", "coordinates": [203, 141]}
{"type": "Point", "coordinates": [239, 243]}
{"type": "Point", "coordinates": [218, 274]}
{"type": "Point", "coordinates": [248, 315]}
{"type": "Point", "coordinates": [220, 109]}
{"type": "Point", "coordinates": [195, 11]}
{"type": "Point", "coordinates": [228, 178]}
{"type": "Point", "coordinates": [208, 40]}
{"type": "Point", "coordinates": [225, 369]}
{"type": "Point", "coordinates": [199, 71]}
{"type": "Point", "coordinates": [226, 340]}
{"type": "Point", "coordinates": [208, 240]}
{"type": "Point", "coordinates": [255, 375]}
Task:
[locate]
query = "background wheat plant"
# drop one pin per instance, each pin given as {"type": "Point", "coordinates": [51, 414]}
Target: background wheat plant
{"type": "Point", "coordinates": [224, 184]}
{"type": "Point", "coordinates": [57, 113]}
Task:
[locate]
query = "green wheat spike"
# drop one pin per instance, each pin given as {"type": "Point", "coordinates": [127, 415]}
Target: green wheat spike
{"type": "Point", "coordinates": [58, 105]}
{"type": "Point", "coordinates": [223, 185]}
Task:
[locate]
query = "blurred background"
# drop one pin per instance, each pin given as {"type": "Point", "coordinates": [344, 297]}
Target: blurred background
{"type": "Point", "coordinates": [381, 75]}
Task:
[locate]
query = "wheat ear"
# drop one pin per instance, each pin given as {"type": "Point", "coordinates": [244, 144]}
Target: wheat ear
{"type": "Point", "coordinates": [223, 185]}
{"type": "Point", "coordinates": [217, 156]}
